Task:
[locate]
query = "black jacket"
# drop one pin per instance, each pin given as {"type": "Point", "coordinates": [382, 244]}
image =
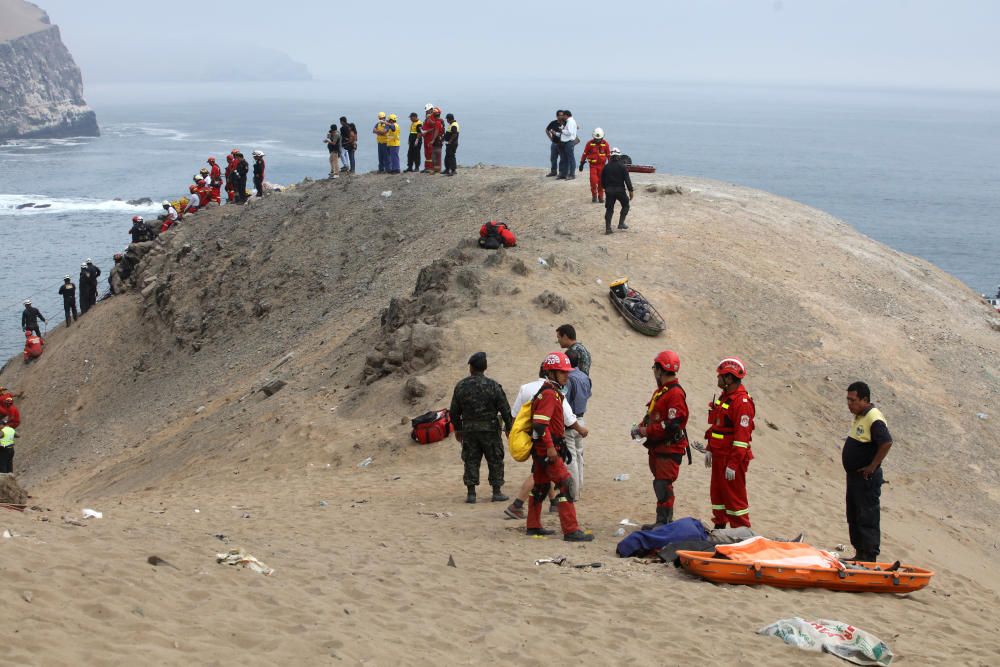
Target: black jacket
{"type": "Point", "coordinates": [68, 293]}
{"type": "Point", "coordinates": [30, 317]}
{"type": "Point", "coordinates": [615, 177]}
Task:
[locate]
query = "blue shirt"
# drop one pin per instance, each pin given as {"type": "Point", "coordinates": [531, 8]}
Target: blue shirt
{"type": "Point", "coordinates": [578, 391]}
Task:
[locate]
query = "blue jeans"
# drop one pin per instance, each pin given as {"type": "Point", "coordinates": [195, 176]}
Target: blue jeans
{"type": "Point", "coordinates": [383, 157]}
{"type": "Point", "coordinates": [393, 159]}
{"type": "Point", "coordinates": [567, 160]}
{"type": "Point", "coordinates": [349, 152]}
{"type": "Point", "coordinates": [554, 157]}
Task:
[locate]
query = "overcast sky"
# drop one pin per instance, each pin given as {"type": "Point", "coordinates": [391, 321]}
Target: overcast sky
{"type": "Point", "coordinates": [881, 43]}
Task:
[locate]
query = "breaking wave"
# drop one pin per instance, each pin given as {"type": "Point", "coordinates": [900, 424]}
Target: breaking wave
{"type": "Point", "coordinates": [40, 204]}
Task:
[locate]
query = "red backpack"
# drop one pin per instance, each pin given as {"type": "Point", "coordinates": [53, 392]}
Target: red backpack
{"type": "Point", "coordinates": [494, 234]}
{"type": "Point", "coordinates": [431, 427]}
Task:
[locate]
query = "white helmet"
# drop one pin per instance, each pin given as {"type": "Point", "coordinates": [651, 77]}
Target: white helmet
{"type": "Point", "coordinates": [67, 278]}
{"type": "Point", "coordinates": [598, 133]}
{"type": "Point", "coordinates": [90, 261]}
{"type": "Point", "coordinates": [165, 203]}
{"type": "Point", "coordinates": [27, 302]}
{"type": "Point", "coordinates": [616, 151]}
{"type": "Point", "coordinates": [258, 154]}
{"type": "Point", "coordinates": [83, 266]}
{"type": "Point", "coordinates": [428, 106]}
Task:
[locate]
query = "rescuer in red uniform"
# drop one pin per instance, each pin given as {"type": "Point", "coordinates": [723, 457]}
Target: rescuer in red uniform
{"type": "Point", "coordinates": [549, 451]}
{"type": "Point", "coordinates": [730, 419]}
{"type": "Point", "coordinates": [9, 414]}
{"type": "Point", "coordinates": [596, 154]}
{"type": "Point", "coordinates": [215, 180]}
{"type": "Point", "coordinates": [664, 427]}
{"type": "Point", "coordinates": [32, 347]}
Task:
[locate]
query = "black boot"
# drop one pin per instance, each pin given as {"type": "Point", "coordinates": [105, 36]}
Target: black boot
{"type": "Point", "coordinates": [593, 199]}
{"type": "Point", "coordinates": [622, 225]}
{"type": "Point", "coordinates": [664, 515]}
{"type": "Point", "coordinates": [498, 496]}
{"type": "Point", "coordinates": [608, 230]}
{"type": "Point", "coordinates": [471, 498]}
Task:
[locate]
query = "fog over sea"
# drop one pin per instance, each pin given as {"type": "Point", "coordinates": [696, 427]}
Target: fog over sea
{"type": "Point", "coordinates": [916, 170]}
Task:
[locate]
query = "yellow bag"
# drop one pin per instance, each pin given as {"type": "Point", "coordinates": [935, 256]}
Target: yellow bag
{"type": "Point", "coordinates": [519, 441]}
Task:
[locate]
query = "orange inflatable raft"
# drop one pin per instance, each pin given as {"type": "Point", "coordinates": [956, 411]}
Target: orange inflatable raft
{"type": "Point", "coordinates": [759, 561]}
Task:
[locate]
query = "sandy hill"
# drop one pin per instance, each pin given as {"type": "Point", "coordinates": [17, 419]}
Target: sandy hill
{"type": "Point", "coordinates": [367, 305]}
{"type": "Point", "coordinates": [20, 18]}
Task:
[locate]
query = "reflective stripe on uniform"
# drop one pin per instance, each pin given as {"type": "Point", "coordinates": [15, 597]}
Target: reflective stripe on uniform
{"type": "Point", "coordinates": [738, 512]}
{"type": "Point", "coordinates": [737, 443]}
{"type": "Point", "coordinates": [718, 507]}
{"type": "Point", "coordinates": [541, 418]}
{"type": "Point", "coordinates": [725, 406]}
{"type": "Point", "coordinates": [718, 436]}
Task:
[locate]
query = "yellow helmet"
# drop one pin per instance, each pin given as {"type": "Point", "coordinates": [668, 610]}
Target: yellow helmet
{"type": "Point", "coordinates": [392, 116]}
{"type": "Point", "coordinates": [381, 114]}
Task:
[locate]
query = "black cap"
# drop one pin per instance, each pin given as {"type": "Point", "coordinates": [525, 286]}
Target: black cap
{"type": "Point", "coordinates": [478, 361]}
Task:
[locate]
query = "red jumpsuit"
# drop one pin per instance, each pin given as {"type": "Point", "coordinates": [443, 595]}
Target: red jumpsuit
{"type": "Point", "coordinates": [547, 412]}
{"type": "Point", "coordinates": [230, 188]}
{"type": "Point", "coordinates": [596, 153]}
{"type": "Point", "coordinates": [666, 439]}
{"type": "Point", "coordinates": [32, 348]}
{"type": "Point", "coordinates": [429, 130]}
{"type": "Point", "coordinates": [13, 415]}
{"type": "Point", "coordinates": [729, 434]}
{"type": "Point", "coordinates": [216, 183]}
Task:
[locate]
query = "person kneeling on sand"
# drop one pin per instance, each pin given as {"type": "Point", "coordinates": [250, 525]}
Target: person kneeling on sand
{"type": "Point", "coordinates": [32, 346]}
{"type": "Point", "coordinates": [549, 453]}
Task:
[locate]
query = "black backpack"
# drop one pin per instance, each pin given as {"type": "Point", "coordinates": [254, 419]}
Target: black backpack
{"type": "Point", "coordinates": [492, 239]}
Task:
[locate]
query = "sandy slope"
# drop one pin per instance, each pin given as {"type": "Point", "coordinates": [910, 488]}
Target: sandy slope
{"type": "Point", "coordinates": [19, 19]}
{"type": "Point", "coordinates": [114, 421]}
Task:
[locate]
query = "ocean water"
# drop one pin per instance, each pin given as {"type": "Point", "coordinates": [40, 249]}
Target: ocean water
{"type": "Point", "coordinates": [917, 170]}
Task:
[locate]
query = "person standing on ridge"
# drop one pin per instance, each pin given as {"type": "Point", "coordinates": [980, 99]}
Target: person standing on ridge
{"type": "Point", "coordinates": [554, 132]}
{"type": "Point", "coordinates": [68, 293]}
{"type": "Point", "coordinates": [215, 181]}
{"type": "Point", "coordinates": [379, 130]}
{"type": "Point", "coordinates": [30, 317]}
{"type": "Point", "coordinates": [867, 444]}
{"type": "Point", "coordinates": [348, 143]}
{"type": "Point", "coordinates": [333, 146]}
{"type": "Point", "coordinates": [258, 172]}
{"type": "Point", "coordinates": [578, 392]}
{"type": "Point", "coordinates": [615, 181]}
{"type": "Point", "coordinates": [566, 337]}
{"type": "Point", "coordinates": [93, 272]}
{"type": "Point", "coordinates": [241, 169]}
{"type": "Point", "coordinates": [549, 453]}
{"type": "Point", "coordinates": [428, 130]}
{"type": "Point", "coordinates": [596, 154]}
{"type": "Point", "coordinates": [568, 140]}
{"type": "Point", "coordinates": [664, 427]}
{"type": "Point", "coordinates": [475, 404]}
{"type": "Point", "coordinates": [730, 431]}
{"type": "Point", "coordinates": [7, 435]}
{"type": "Point", "coordinates": [451, 145]}
{"type": "Point", "coordinates": [415, 143]}
{"type": "Point", "coordinates": [230, 177]}
{"type": "Point", "coordinates": [438, 139]}
{"type": "Point", "coordinates": [392, 144]}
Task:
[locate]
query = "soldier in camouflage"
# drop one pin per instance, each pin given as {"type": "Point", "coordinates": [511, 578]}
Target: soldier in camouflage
{"type": "Point", "coordinates": [475, 404]}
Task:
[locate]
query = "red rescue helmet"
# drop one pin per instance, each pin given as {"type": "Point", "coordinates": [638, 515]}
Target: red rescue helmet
{"type": "Point", "coordinates": [192, 188]}
{"type": "Point", "coordinates": [27, 334]}
{"type": "Point", "coordinates": [668, 361]}
{"type": "Point", "coordinates": [137, 218]}
{"type": "Point", "coordinates": [557, 361]}
{"type": "Point", "coordinates": [211, 160]}
{"type": "Point", "coordinates": [9, 400]}
{"type": "Point", "coordinates": [732, 366]}
{"type": "Point", "coordinates": [201, 181]}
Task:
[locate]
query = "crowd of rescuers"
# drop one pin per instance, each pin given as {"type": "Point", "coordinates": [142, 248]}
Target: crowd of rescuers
{"type": "Point", "coordinates": [558, 402]}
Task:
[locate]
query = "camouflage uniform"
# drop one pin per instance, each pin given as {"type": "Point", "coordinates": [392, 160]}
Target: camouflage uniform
{"type": "Point", "coordinates": [582, 355]}
{"type": "Point", "coordinates": [474, 407]}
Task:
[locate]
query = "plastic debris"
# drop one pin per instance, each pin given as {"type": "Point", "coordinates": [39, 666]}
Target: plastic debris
{"type": "Point", "coordinates": [238, 557]}
{"type": "Point", "coordinates": [92, 514]}
{"type": "Point", "coordinates": [367, 462]}
{"type": "Point", "coordinates": [628, 522]}
{"type": "Point", "coordinates": [542, 262]}
{"type": "Point", "coordinates": [833, 637]}
{"type": "Point", "coordinates": [619, 532]}
{"type": "Point", "coordinates": [557, 560]}
{"type": "Point", "coordinates": [323, 503]}
{"type": "Point", "coordinates": [387, 193]}
{"type": "Point", "coordinates": [621, 477]}
{"type": "Point", "coordinates": [982, 415]}
{"type": "Point", "coordinates": [7, 534]}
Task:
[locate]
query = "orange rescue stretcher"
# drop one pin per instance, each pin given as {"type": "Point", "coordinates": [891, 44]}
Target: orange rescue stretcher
{"type": "Point", "coordinates": [759, 561]}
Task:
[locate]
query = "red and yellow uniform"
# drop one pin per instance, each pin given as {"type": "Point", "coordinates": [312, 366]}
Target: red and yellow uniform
{"type": "Point", "coordinates": [12, 414]}
{"type": "Point", "coordinates": [596, 153]}
{"type": "Point", "coordinates": [666, 439]}
{"type": "Point", "coordinates": [433, 132]}
{"type": "Point", "coordinates": [216, 183]}
{"type": "Point", "coordinates": [547, 422]}
{"type": "Point", "coordinates": [730, 419]}
{"type": "Point", "coordinates": [32, 349]}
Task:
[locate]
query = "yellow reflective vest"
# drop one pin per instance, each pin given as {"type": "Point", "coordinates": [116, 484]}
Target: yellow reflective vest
{"type": "Point", "coordinates": [7, 437]}
{"type": "Point", "coordinates": [392, 138]}
{"type": "Point", "coordinates": [380, 127]}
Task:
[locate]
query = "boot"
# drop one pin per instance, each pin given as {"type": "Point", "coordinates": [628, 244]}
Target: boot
{"type": "Point", "coordinates": [578, 536]}
{"type": "Point", "coordinates": [550, 174]}
{"type": "Point", "coordinates": [471, 498]}
{"type": "Point", "coordinates": [664, 515]}
{"type": "Point", "coordinates": [600, 199]}
{"type": "Point", "coordinates": [622, 225]}
{"type": "Point", "coordinates": [593, 199]}
{"type": "Point", "coordinates": [498, 496]}
{"type": "Point", "coordinates": [539, 531]}
{"type": "Point", "coordinates": [607, 228]}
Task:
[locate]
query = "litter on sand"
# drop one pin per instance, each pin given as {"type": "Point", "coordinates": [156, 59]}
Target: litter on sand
{"type": "Point", "coordinates": [92, 514]}
{"type": "Point", "coordinates": [238, 557]}
{"type": "Point", "coordinates": [367, 462]}
{"type": "Point", "coordinates": [558, 560]}
{"type": "Point", "coordinates": [833, 637]}
{"type": "Point", "coordinates": [621, 477]}
{"type": "Point", "coordinates": [387, 193]}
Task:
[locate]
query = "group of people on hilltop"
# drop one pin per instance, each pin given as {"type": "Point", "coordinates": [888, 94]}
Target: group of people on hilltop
{"type": "Point", "coordinates": [208, 185]}
{"type": "Point", "coordinates": [557, 402]}
{"type": "Point", "coordinates": [610, 182]}
{"type": "Point", "coordinates": [436, 136]}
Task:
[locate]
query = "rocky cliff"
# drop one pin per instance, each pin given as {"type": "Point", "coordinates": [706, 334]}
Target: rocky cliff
{"type": "Point", "coordinates": [41, 90]}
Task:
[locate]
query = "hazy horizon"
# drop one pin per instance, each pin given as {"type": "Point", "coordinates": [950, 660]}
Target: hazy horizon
{"type": "Point", "coordinates": [907, 44]}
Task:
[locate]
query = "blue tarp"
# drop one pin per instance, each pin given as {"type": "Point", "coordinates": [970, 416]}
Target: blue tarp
{"type": "Point", "coordinates": [642, 542]}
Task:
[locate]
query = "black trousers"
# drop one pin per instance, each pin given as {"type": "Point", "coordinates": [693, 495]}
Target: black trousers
{"type": "Point", "coordinates": [258, 184]}
{"type": "Point", "coordinates": [7, 459]}
{"type": "Point", "coordinates": [413, 156]}
{"type": "Point", "coordinates": [450, 163]}
{"type": "Point", "coordinates": [864, 511]}
{"type": "Point", "coordinates": [70, 309]}
{"type": "Point", "coordinates": [610, 197]}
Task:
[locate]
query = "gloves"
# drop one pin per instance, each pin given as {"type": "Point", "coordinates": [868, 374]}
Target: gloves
{"type": "Point", "coordinates": [708, 459]}
{"type": "Point", "coordinates": [730, 474]}
{"type": "Point", "coordinates": [581, 167]}
{"type": "Point", "coordinates": [567, 456]}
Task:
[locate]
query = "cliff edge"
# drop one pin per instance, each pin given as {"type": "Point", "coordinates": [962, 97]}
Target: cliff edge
{"type": "Point", "coordinates": [41, 89]}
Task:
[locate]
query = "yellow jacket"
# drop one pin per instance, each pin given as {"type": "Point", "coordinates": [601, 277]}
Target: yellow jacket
{"type": "Point", "coordinates": [392, 137]}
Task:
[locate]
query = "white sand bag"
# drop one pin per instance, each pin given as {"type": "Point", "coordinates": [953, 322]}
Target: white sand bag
{"type": "Point", "coordinates": [833, 637]}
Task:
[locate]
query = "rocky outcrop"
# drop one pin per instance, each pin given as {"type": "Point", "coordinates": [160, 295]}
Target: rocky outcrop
{"type": "Point", "coordinates": [41, 90]}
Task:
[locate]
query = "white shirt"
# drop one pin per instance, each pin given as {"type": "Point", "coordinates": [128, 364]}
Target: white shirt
{"type": "Point", "coordinates": [528, 391]}
{"type": "Point", "coordinates": [569, 130]}
{"type": "Point", "coordinates": [171, 213]}
{"type": "Point", "coordinates": [193, 200]}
